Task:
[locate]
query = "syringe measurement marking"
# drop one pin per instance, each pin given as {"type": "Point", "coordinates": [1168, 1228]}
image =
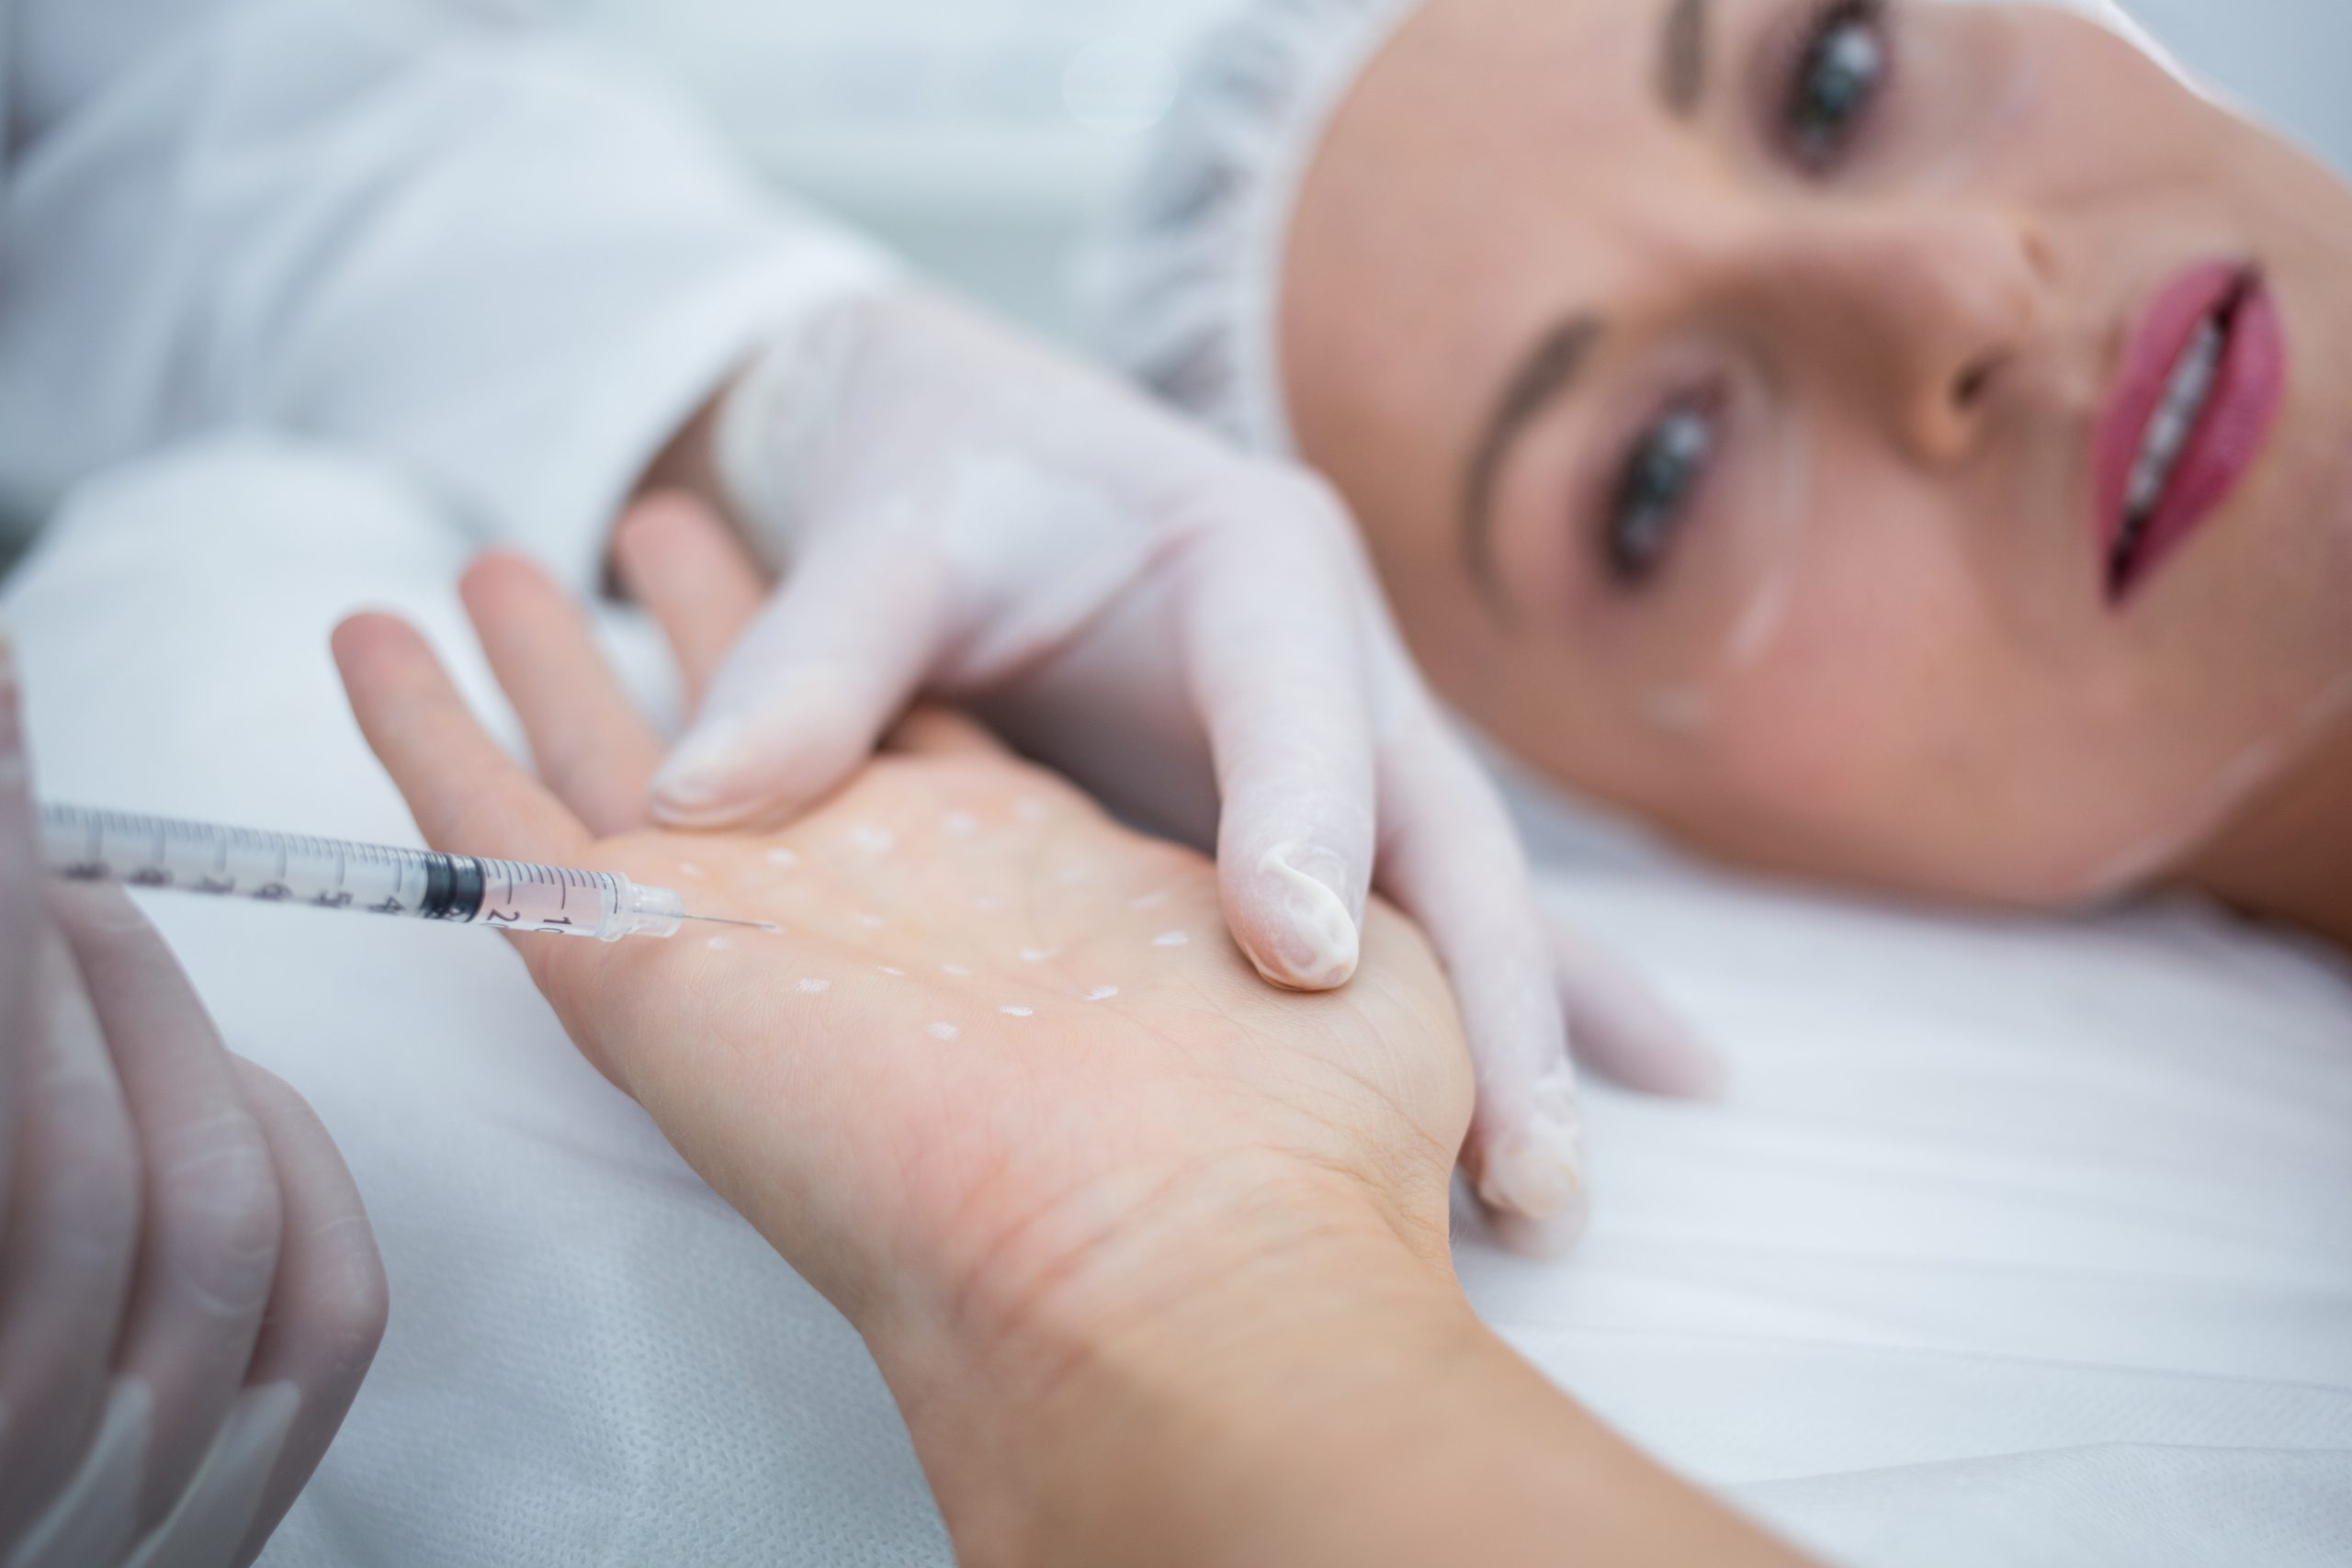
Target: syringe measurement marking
{"type": "Point", "coordinates": [333, 874]}
{"type": "Point", "coordinates": [157, 875]}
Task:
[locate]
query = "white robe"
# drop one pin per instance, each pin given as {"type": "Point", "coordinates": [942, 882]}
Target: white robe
{"type": "Point", "coordinates": [494, 259]}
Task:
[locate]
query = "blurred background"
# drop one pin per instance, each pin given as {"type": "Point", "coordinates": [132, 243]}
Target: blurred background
{"type": "Point", "coordinates": [980, 137]}
{"type": "Point", "coordinates": [983, 139]}
{"type": "Point", "coordinates": [983, 136]}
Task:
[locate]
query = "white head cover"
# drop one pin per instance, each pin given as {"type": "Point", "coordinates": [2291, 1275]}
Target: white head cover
{"type": "Point", "coordinates": [1184, 290]}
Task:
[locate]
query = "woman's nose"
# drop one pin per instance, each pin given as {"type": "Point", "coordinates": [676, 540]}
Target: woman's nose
{"type": "Point", "coordinates": [1922, 316]}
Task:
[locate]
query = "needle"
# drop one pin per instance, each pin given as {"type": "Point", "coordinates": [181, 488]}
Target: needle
{"type": "Point", "coordinates": [747, 925]}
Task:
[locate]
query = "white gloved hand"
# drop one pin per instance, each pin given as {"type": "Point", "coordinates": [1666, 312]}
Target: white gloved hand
{"type": "Point", "coordinates": [190, 1292]}
{"type": "Point", "coordinates": [1194, 635]}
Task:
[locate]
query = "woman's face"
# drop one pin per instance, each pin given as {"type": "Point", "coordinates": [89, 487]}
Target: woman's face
{"type": "Point", "coordinates": [1759, 411]}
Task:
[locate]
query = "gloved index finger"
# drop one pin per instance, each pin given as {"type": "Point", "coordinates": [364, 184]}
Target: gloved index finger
{"type": "Point", "coordinates": [66, 1258]}
{"type": "Point", "coordinates": [1274, 642]}
{"type": "Point", "coordinates": [21, 907]}
{"type": "Point", "coordinates": [327, 1311]}
{"type": "Point", "coordinates": [209, 1244]}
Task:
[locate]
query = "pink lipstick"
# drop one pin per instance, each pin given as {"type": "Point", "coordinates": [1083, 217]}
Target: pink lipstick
{"type": "Point", "coordinates": [2194, 405]}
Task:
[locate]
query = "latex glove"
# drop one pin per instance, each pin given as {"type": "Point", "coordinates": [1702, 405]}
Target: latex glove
{"type": "Point", "coordinates": [1194, 636]}
{"type": "Point", "coordinates": [190, 1292]}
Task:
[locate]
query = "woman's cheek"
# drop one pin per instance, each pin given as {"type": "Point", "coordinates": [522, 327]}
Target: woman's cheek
{"type": "Point", "coordinates": [1855, 743]}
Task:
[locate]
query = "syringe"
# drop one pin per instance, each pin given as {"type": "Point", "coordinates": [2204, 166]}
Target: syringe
{"type": "Point", "coordinates": [329, 874]}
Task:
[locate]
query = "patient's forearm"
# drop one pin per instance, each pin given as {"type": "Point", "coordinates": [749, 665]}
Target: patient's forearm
{"type": "Point", "coordinates": [1327, 1397]}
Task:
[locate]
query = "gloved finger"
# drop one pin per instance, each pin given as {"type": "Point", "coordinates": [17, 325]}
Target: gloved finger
{"type": "Point", "coordinates": [71, 1241]}
{"type": "Point", "coordinates": [209, 1521]}
{"type": "Point", "coordinates": [1618, 1026]}
{"type": "Point", "coordinates": [467, 795]}
{"type": "Point", "coordinates": [931, 731]}
{"type": "Point", "coordinates": [588, 741]}
{"type": "Point", "coordinates": [1450, 858]}
{"type": "Point", "coordinates": [208, 1247]}
{"type": "Point", "coordinates": [326, 1313]}
{"type": "Point", "coordinates": [694, 578]}
{"type": "Point", "coordinates": [1273, 644]}
{"type": "Point", "coordinates": [828, 667]}
{"type": "Point", "coordinates": [90, 1521]}
{"type": "Point", "coordinates": [20, 910]}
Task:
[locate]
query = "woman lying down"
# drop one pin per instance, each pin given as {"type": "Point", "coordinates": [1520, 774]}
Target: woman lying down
{"type": "Point", "coordinates": [1917, 453]}
{"type": "Point", "coordinates": [937, 1195]}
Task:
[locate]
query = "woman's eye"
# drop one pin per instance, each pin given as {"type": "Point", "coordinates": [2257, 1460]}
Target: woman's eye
{"type": "Point", "coordinates": [1667, 466]}
{"type": "Point", "coordinates": [1837, 78]}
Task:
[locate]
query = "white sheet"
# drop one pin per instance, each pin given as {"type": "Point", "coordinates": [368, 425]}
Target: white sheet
{"type": "Point", "coordinates": [2014, 1243]}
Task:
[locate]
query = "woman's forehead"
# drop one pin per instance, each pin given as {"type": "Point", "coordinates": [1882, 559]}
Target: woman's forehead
{"type": "Point", "coordinates": [1538, 121]}
{"type": "Point", "coordinates": [1485, 177]}
{"type": "Point", "coordinates": [1576, 59]}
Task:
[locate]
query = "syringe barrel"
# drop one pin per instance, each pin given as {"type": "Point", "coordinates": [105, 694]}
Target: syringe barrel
{"type": "Point", "coordinates": [334, 874]}
{"type": "Point", "coordinates": [273, 868]}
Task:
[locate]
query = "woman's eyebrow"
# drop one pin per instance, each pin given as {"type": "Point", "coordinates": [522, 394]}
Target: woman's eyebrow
{"type": "Point", "coordinates": [1549, 369]}
{"type": "Point", "coordinates": [1682, 56]}
{"type": "Point", "coordinates": [1544, 377]}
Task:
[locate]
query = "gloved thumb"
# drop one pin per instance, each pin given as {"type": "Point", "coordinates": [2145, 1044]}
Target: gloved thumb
{"type": "Point", "coordinates": [806, 696]}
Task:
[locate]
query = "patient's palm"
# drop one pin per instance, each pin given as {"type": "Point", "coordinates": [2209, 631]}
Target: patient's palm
{"type": "Point", "coordinates": [991, 1023]}
{"type": "Point", "coordinates": [992, 1032]}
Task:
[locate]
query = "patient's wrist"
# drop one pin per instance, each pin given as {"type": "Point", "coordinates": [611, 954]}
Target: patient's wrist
{"type": "Point", "coordinates": [1299, 1380]}
{"type": "Point", "coordinates": [1208, 1327]}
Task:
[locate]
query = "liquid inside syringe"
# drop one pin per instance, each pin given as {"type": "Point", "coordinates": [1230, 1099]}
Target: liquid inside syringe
{"type": "Point", "coordinates": [375, 879]}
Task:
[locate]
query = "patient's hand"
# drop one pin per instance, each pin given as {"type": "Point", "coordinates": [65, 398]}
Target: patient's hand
{"type": "Point", "coordinates": [1000, 1050]}
{"type": "Point", "coordinates": [1153, 1256]}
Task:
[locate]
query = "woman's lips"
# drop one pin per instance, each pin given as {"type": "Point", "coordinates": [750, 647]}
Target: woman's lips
{"type": "Point", "coordinates": [2231, 424]}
